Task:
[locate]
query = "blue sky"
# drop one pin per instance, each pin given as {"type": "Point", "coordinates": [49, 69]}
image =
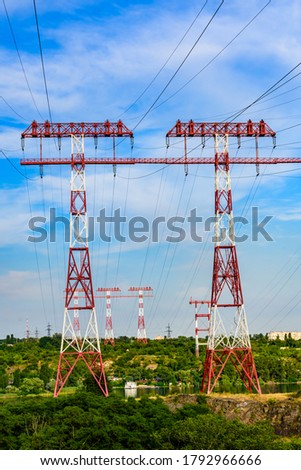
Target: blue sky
{"type": "Point", "coordinates": [99, 57]}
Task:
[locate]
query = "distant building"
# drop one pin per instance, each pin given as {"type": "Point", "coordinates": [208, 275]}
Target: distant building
{"type": "Point", "coordinates": [159, 337]}
{"type": "Point", "coordinates": [282, 335]}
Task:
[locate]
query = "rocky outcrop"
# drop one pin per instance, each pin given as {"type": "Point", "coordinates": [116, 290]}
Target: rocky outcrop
{"type": "Point", "coordinates": [283, 412]}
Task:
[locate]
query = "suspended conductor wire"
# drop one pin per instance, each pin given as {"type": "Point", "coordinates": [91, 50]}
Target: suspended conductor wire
{"type": "Point", "coordinates": [58, 259]}
{"type": "Point", "coordinates": [48, 257]}
{"type": "Point", "coordinates": [231, 118]}
{"type": "Point", "coordinates": [197, 261]}
{"type": "Point", "coordinates": [13, 110]}
{"type": "Point", "coordinates": [290, 310]}
{"type": "Point", "coordinates": [288, 128]}
{"type": "Point", "coordinates": [175, 249]}
{"type": "Point", "coordinates": [42, 59]}
{"type": "Point", "coordinates": [270, 90]}
{"type": "Point", "coordinates": [275, 281]}
{"type": "Point", "coordinates": [215, 116]}
{"type": "Point", "coordinates": [21, 63]}
{"type": "Point", "coordinates": [149, 240]}
{"type": "Point", "coordinates": [216, 56]}
{"type": "Point", "coordinates": [159, 296]}
{"type": "Point", "coordinates": [110, 233]}
{"type": "Point", "coordinates": [36, 257]}
{"type": "Point", "coordinates": [279, 290]}
{"type": "Point", "coordinates": [154, 216]}
{"type": "Point", "coordinates": [16, 168]}
{"type": "Point", "coordinates": [166, 62]}
{"type": "Point", "coordinates": [120, 245]}
{"type": "Point", "coordinates": [180, 66]}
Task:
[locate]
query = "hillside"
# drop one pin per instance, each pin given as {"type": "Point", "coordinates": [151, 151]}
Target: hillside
{"type": "Point", "coordinates": [169, 361]}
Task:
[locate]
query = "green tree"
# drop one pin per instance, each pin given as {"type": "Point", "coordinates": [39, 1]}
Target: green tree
{"type": "Point", "coordinates": [45, 373]}
{"type": "Point", "coordinates": [212, 432]}
{"type": "Point", "coordinates": [3, 381]}
{"type": "Point", "coordinates": [32, 385]}
{"type": "Point", "coordinates": [17, 378]}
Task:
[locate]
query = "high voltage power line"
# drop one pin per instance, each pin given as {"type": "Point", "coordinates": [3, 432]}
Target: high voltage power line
{"type": "Point", "coordinates": [21, 63]}
{"type": "Point", "coordinates": [42, 59]}
{"type": "Point", "coordinates": [179, 67]}
{"type": "Point", "coordinates": [166, 62]}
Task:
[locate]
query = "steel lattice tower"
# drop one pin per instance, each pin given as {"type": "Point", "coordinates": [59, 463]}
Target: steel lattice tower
{"type": "Point", "coordinates": [223, 345]}
{"type": "Point", "coordinates": [79, 312]}
{"type": "Point", "coordinates": [227, 343]}
{"type": "Point", "coordinates": [141, 333]}
{"type": "Point", "coordinates": [80, 338]}
{"type": "Point", "coordinates": [109, 334]}
{"type": "Point", "coordinates": [202, 328]}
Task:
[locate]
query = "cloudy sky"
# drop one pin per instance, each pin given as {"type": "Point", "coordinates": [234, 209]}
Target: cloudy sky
{"type": "Point", "coordinates": [131, 60]}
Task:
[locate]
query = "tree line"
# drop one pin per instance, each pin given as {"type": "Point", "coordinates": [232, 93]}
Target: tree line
{"type": "Point", "coordinates": [29, 366]}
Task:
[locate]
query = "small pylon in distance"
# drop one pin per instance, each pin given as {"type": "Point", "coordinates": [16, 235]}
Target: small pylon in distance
{"type": "Point", "coordinates": [141, 333]}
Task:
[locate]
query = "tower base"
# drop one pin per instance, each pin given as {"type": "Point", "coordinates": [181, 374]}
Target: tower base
{"type": "Point", "coordinates": [93, 361]}
{"type": "Point", "coordinates": [241, 358]}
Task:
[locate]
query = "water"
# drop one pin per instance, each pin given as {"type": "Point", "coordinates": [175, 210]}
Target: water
{"type": "Point", "coordinates": [164, 391]}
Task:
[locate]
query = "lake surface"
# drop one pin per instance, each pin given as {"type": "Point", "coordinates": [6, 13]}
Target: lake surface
{"type": "Point", "coordinates": [164, 391]}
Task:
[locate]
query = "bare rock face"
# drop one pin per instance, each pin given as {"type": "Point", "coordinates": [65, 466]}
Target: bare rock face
{"type": "Point", "coordinates": [283, 412]}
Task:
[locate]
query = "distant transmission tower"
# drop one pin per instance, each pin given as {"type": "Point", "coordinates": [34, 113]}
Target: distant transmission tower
{"type": "Point", "coordinates": [27, 334]}
{"type": "Point", "coordinates": [168, 331]}
{"type": "Point", "coordinates": [48, 329]}
{"type": "Point", "coordinates": [109, 334]}
{"type": "Point", "coordinates": [199, 328]}
{"type": "Point", "coordinates": [141, 333]}
{"type": "Point", "coordinates": [37, 333]}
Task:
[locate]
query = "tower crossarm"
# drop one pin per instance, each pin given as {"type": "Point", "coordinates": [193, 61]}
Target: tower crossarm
{"type": "Point", "coordinates": [162, 161]}
{"type": "Point", "coordinates": [110, 289]}
{"type": "Point", "coordinates": [78, 129]}
{"type": "Point", "coordinates": [137, 289]}
{"type": "Point", "coordinates": [210, 129]}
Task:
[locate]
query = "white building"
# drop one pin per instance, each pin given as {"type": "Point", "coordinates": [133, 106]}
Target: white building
{"type": "Point", "coordinates": [282, 335]}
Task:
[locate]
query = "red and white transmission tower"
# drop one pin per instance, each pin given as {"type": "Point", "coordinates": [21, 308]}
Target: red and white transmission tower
{"type": "Point", "coordinates": [27, 334]}
{"type": "Point", "coordinates": [141, 333]}
{"type": "Point", "coordinates": [225, 344]}
{"type": "Point", "coordinates": [109, 334]}
{"type": "Point", "coordinates": [79, 313]}
{"type": "Point", "coordinates": [201, 328]}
